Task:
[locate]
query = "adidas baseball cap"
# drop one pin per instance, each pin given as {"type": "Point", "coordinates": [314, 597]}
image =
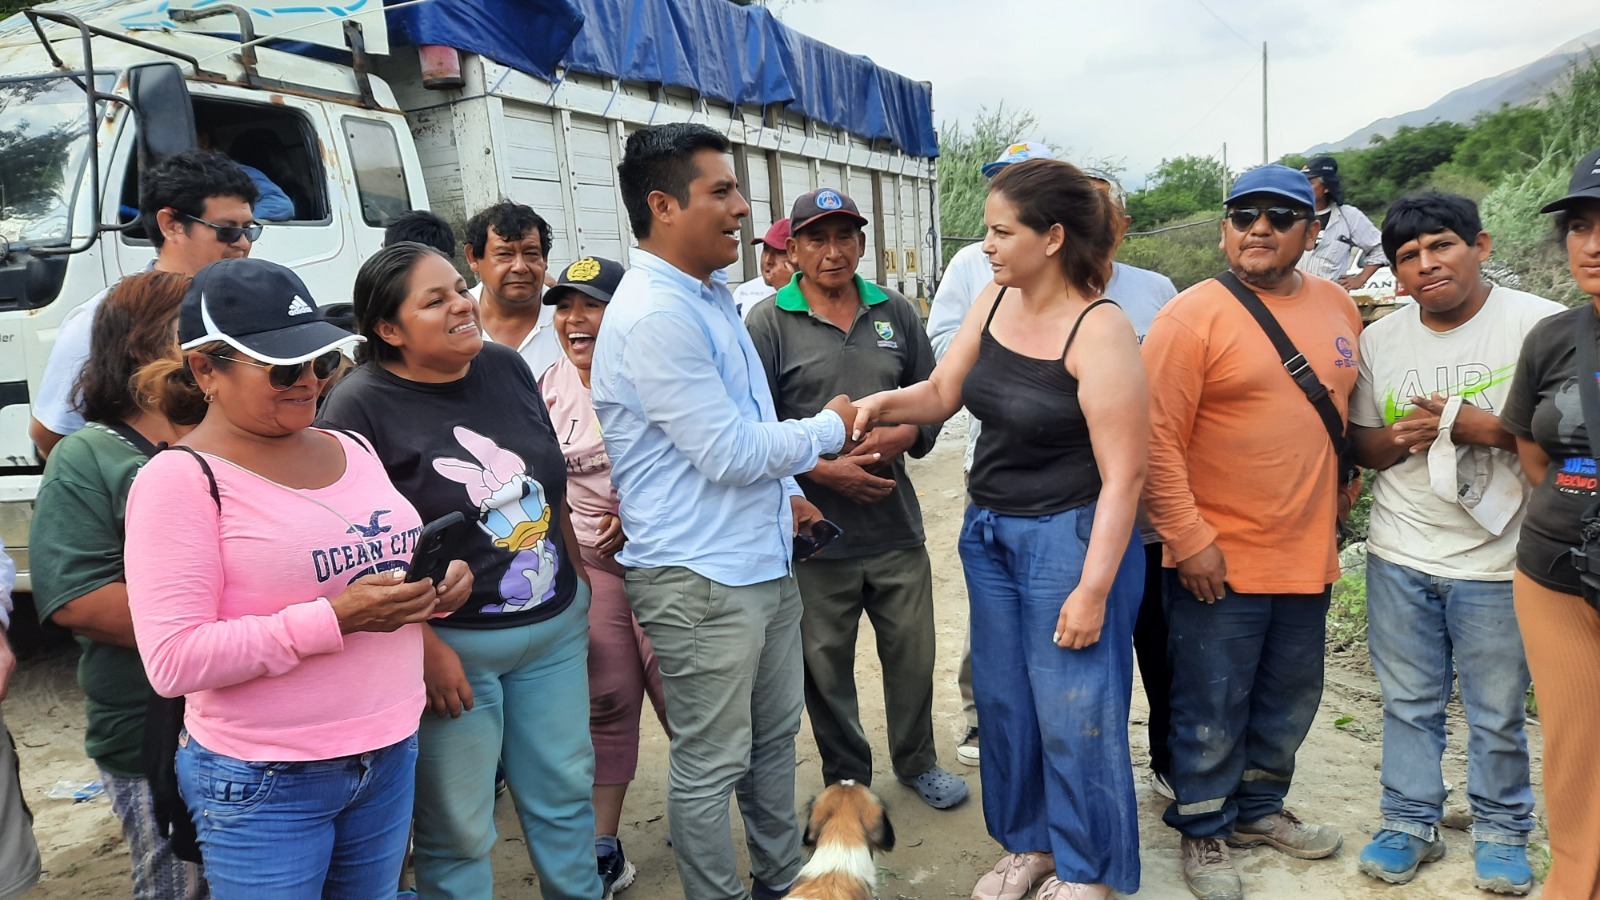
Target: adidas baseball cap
{"type": "Point", "coordinates": [258, 308]}
{"type": "Point", "coordinates": [812, 206]}
{"type": "Point", "coordinates": [598, 278]}
{"type": "Point", "coordinates": [1017, 151]}
{"type": "Point", "coordinates": [1585, 184]}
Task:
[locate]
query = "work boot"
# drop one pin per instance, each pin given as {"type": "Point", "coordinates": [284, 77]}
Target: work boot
{"type": "Point", "coordinates": [1014, 876]}
{"type": "Point", "coordinates": [1395, 856]}
{"type": "Point", "coordinates": [1284, 832]}
{"type": "Point", "coordinates": [1208, 871]}
{"type": "Point", "coordinates": [1501, 868]}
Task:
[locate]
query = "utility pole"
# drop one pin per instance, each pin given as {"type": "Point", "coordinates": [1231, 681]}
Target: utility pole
{"type": "Point", "coordinates": [1264, 157]}
{"type": "Point", "coordinates": [1227, 174]}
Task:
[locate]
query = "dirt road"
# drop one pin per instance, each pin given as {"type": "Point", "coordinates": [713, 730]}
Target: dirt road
{"type": "Point", "coordinates": [940, 854]}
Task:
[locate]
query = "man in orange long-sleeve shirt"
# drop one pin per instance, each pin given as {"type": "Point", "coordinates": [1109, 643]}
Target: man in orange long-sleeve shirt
{"type": "Point", "coordinates": [1243, 489]}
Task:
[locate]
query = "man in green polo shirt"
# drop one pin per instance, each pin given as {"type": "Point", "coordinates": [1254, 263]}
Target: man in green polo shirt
{"type": "Point", "coordinates": [831, 332]}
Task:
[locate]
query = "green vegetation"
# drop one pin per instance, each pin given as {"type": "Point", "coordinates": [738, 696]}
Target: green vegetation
{"type": "Point", "coordinates": [962, 152]}
{"type": "Point", "coordinates": [1512, 161]}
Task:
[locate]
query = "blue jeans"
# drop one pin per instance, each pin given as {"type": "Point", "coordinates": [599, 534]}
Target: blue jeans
{"type": "Point", "coordinates": [1246, 683]}
{"type": "Point", "coordinates": [1057, 775]}
{"type": "Point", "coordinates": [292, 830]}
{"type": "Point", "coordinates": [1416, 623]}
{"type": "Point", "coordinates": [530, 689]}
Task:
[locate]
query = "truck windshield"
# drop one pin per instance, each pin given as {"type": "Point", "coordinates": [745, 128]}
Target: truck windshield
{"type": "Point", "coordinates": [44, 139]}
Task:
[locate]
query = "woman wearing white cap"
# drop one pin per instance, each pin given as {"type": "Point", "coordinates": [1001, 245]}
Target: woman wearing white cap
{"type": "Point", "coordinates": [1554, 411]}
{"type": "Point", "coordinates": [264, 569]}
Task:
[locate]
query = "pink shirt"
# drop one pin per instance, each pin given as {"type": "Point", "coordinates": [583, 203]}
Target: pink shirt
{"type": "Point", "coordinates": [229, 609]}
{"type": "Point", "coordinates": [590, 494]}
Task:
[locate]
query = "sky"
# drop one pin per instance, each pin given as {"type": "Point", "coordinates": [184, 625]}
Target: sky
{"type": "Point", "coordinates": [1136, 81]}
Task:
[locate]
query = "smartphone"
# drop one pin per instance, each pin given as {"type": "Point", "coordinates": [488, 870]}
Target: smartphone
{"type": "Point", "coordinates": [435, 547]}
{"type": "Point", "coordinates": [822, 533]}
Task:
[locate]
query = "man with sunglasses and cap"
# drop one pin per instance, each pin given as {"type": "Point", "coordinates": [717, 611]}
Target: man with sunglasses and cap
{"type": "Point", "coordinates": [776, 270]}
{"type": "Point", "coordinates": [831, 332]}
{"type": "Point", "coordinates": [196, 208]}
{"type": "Point", "coordinates": [1244, 490]}
{"type": "Point", "coordinates": [1345, 230]}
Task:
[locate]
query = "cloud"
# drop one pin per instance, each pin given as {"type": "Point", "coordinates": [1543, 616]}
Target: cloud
{"type": "Point", "coordinates": [1142, 79]}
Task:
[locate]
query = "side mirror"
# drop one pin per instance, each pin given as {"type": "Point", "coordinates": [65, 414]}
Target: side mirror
{"type": "Point", "coordinates": [166, 116]}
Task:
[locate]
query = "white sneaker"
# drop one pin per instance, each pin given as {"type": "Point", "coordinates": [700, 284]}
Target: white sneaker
{"type": "Point", "coordinates": [967, 750]}
{"type": "Point", "coordinates": [1159, 784]}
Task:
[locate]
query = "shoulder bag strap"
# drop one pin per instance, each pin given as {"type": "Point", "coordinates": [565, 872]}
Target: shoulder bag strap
{"type": "Point", "coordinates": [1588, 360]}
{"type": "Point", "coordinates": [129, 434]}
{"type": "Point", "coordinates": [211, 478]}
{"type": "Point", "coordinates": [1294, 362]}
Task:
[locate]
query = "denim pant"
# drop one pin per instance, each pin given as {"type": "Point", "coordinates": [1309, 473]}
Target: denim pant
{"type": "Point", "coordinates": [293, 830]}
{"type": "Point", "coordinates": [1056, 771]}
{"type": "Point", "coordinates": [731, 665]}
{"type": "Point", "coordinates": [1416, 623]}
{"type": "Point", "coordinates": [1246, 683]}
{"type": "Point", "coordinates": [530, 690]}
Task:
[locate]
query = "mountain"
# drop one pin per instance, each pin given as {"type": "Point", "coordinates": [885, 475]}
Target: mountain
{"type": "Point", "coordinates": [1525, 84]}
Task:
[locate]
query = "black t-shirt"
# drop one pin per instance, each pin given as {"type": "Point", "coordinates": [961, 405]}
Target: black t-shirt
{"type": "Point", "coordinates": [1544, 407]}
{"type": "Point", "coordinates": [482, 445]}
{"type": "Point", "coordinates": [1034, 456]}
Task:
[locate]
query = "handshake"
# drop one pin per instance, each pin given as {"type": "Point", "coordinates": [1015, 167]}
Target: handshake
{"type": "Point", "coordinates": [859, 417]}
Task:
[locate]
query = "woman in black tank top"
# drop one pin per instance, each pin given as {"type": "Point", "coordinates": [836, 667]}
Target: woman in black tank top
{"type": "Point", "coordinates": [1052, 558]}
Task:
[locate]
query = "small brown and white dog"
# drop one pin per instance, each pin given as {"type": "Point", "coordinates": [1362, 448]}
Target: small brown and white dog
{"type": "Point", "coordinates": [844, 825]}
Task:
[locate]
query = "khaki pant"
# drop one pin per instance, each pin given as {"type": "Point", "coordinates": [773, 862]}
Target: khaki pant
{"type": "Point", "coordinates": [731, 670]}
{"type": "Point", "coordinates": [19, 855]}
{"type": "Point", "coordinates": [895, 591]}
{"type": "Point", "coordinates": [1561, 634]}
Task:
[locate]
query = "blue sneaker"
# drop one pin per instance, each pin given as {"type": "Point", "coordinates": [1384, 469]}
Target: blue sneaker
{"type": "Point", "coordinates": [1394, 856]}
{"type": "Point", "coordinates": [1501, 868]}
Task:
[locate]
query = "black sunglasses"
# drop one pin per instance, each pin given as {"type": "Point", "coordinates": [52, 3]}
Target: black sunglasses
{"type": "Point", "coordinates": [283, 376]}
{"type": "Point", "coordinates": [1281, 218]}
{"type": "Point", "coordinates": [230, 234]}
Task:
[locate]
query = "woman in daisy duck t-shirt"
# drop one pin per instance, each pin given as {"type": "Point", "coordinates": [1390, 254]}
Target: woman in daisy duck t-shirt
{"type": "Point", "coordinates": [460, 427]}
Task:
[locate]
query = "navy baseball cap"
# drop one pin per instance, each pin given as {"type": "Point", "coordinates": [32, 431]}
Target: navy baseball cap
{"type": "Point", "coordinates": [814, 205]}
{"type": "Point", "coordinates": [258, 308]}
{"type": "Point", "coordinates": [1277, 180]}
{"type": "Point", "coordinates": [1320, 167]}
{"type": "Point", "coordinates": [1585, 184]}
{"type": "Point", "coordinates": [592, 276]}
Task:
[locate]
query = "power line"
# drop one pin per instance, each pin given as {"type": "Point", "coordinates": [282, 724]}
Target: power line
{"type": "Point", "coordinates": [1247, 41]}
{"type": "Point", "coordinates": [1216, 106]}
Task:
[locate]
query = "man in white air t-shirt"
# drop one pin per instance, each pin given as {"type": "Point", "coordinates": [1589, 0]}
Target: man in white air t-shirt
{"type": "Point", "coordinates": [1447, 506]}
{"type": "Point", "coordinates": [508, 247]}
{"type": "Point", "coordinates": [195, 199]}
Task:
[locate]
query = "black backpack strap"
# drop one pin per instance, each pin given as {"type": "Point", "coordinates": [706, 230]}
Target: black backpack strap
{"type": "Point", "coordinates": [211, 478]}
{"type": "Point", "coordinates": [129, 434]}
{"type": "Point", "coordinates": [1294, 363]}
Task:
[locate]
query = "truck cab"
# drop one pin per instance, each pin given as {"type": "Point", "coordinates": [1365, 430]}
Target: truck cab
{"type": "Point", "coordinates": [72, 147]}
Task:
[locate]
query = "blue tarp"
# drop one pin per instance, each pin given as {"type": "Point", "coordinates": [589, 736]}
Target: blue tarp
{"type": "Point", "coordinates": [731, 53]}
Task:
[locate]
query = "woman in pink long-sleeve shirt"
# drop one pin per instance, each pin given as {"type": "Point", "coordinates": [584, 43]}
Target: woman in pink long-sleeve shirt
{"type": "Point", "coordinates": [265, 571]}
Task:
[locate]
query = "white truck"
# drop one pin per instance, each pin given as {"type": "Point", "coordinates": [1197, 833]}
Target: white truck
{"type": "Point", "coordinates": [474, 102]}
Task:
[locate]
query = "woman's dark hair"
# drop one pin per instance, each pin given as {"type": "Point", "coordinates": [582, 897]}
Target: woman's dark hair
{"type": "Point", "coordinates": [1409, 218]}
{"type": "Point", "coordinates": [132, 328]}
{"type": "Point", "coordinates": [1334, 187]}
{"type": "Point", "coordinates": [1048, 192]}
{"type": "Point", "coordinates": [382, 284]}
{"type": "Point", "coordinates": [661, 158]}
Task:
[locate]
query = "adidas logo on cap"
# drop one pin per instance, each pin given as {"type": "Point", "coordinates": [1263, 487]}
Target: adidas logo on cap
{"type": "Point", "coordinates": [299, 307]}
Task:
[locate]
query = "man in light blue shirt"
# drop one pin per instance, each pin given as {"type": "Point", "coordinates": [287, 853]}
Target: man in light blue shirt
{"type": "Point", "coordinates": [710, 505]}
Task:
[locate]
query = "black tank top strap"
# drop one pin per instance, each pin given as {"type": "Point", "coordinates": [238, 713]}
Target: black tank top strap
{"type": "Point", "coordinates": [1073, 335]}
{"type": "Point", "coordinates": [998, 297]}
